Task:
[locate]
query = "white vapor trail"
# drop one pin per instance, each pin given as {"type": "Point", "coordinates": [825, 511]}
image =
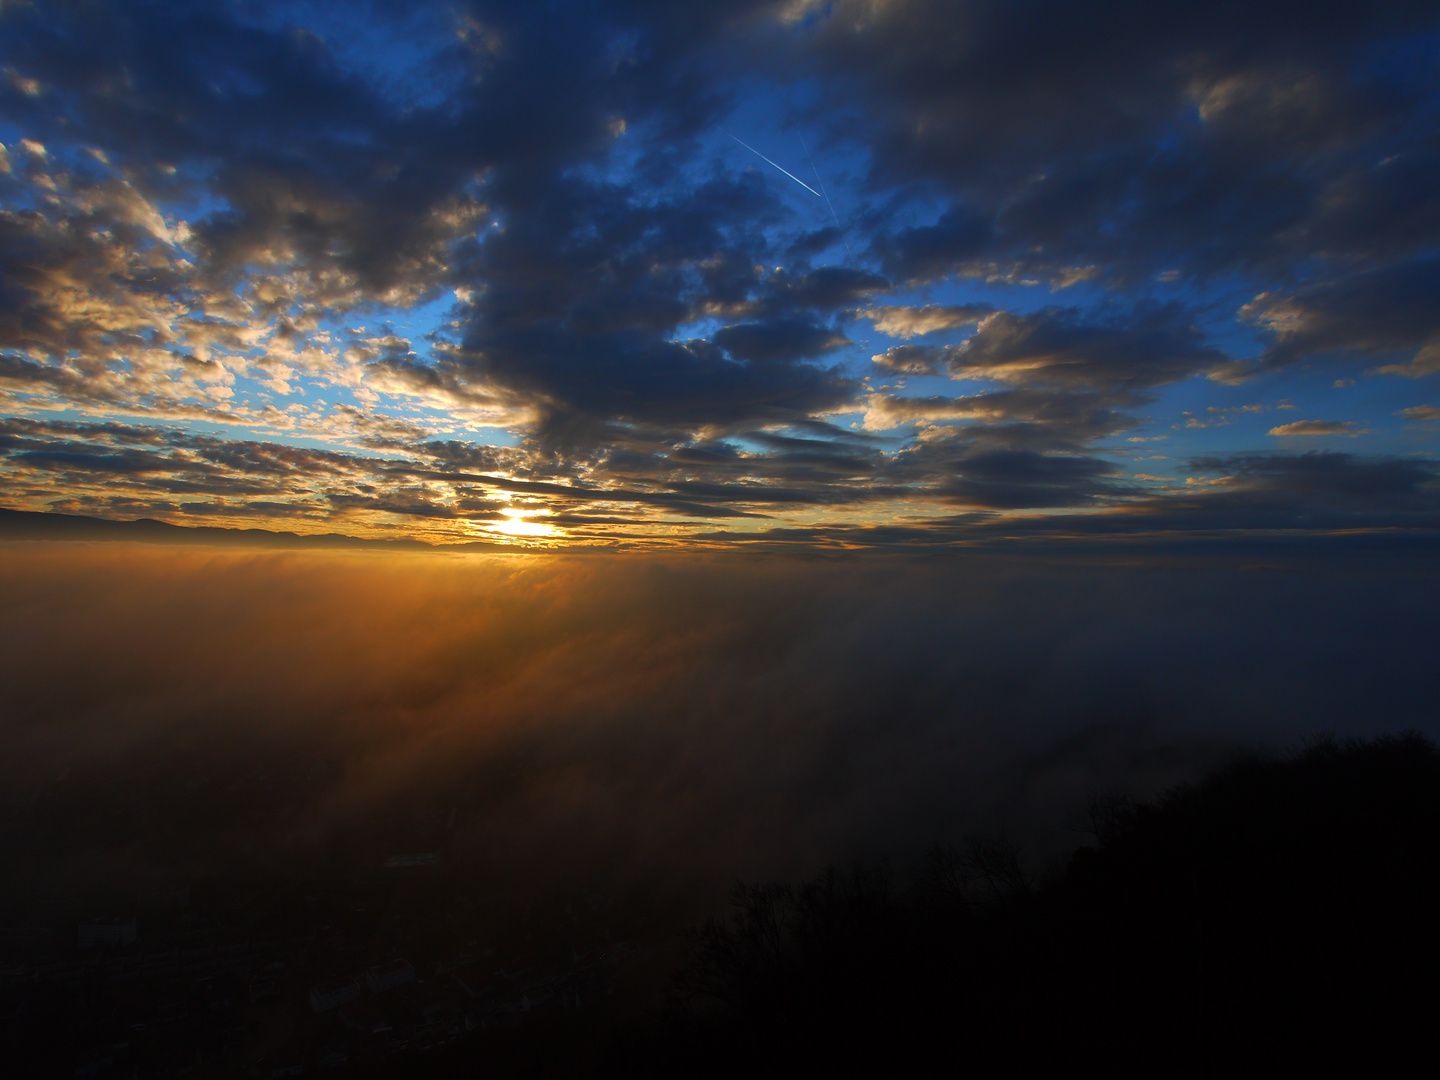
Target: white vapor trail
{"type": "Point", "coordinates": [786, 171]}
{"type": "Point", "coordinates": [826, 196]}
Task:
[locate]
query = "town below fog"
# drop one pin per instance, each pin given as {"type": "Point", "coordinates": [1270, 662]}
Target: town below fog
{"type": "Point", "coordinates": [282, 972]}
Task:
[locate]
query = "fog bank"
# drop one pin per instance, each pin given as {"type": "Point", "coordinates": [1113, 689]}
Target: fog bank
{"type": "Point", "coordinates": [658, 723]}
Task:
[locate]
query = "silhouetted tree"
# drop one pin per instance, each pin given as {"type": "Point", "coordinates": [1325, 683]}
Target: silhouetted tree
{"type": "Point", "coordinates": [1280, 914]}
{"type": "Point", "coordinates": [740, 961]}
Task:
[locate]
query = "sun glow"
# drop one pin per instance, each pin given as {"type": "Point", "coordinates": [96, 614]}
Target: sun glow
{"type": "Point", "coordinates": [519, 525]}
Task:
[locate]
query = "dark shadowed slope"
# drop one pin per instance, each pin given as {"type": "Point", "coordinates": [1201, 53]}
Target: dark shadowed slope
{"type": "Point", "coordinates": [1278, 916]}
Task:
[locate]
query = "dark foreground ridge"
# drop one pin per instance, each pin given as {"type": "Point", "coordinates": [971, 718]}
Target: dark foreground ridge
{"type": "Point", "coordinates": [1278, 918]}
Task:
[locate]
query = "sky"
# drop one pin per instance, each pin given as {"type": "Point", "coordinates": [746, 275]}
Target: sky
{"type": "Point", "coordinates": [892, 274]}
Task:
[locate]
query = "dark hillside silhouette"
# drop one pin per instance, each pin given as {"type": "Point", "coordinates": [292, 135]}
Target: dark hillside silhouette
{"type": "Point", "coordinates": [1279, 916]}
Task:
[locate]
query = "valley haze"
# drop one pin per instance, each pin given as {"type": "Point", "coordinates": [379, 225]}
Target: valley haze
{"type": "Point", "coordinates": [676, 721]}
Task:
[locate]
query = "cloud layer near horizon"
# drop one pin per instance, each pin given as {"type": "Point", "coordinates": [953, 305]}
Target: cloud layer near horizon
{"type": "Point", "coordinates": [494, 269]}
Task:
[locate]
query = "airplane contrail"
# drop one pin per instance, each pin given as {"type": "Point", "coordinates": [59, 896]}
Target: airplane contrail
{"type": "Point", "coordinates": [786, 171]}
{"type": "Point", "coordinates": [826, 196]}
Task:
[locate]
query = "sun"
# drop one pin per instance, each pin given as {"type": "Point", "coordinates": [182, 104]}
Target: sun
{"type": "Point", "coordinates": [519, 525]}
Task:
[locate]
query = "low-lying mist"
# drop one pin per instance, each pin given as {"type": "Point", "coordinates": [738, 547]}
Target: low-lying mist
{"type": "Point", "coordinates": [658, 725]}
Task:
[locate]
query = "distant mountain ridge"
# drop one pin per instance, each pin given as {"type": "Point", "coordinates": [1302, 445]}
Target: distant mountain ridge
{"type": "Point", "coordinates": [36, 525]}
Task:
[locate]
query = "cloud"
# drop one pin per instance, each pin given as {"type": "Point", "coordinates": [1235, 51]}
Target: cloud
{"type": "Point", "coordinates": [1064, 347]}
{"type": "Point", "coordinates": [1015, 479]}
{"type": "Point", "coordinates": [908, 322]}
{"type": "Point", "coordinates": [886, 411]}
{"type": "Point", "coordinates": [1329, 471]}
{"type": "Point", "coordinates": [823, 288]}
{"type": "Point", "coordinates": [1376, 313]}
{"type": "Point", "coordinates": [481, 249]}
{"type": "Point", "coordinates": [1060, 418]}
{"type": "Point", "coordinates": [1246, 506]}
{"type": "Point", "coordinates": [583, 323]}
{"type": "Point", "coordinates": [1254, 498]}
{"type": "Point", "coordinates": [359, 197]}
{"type": "Point", "coordinates": [910, 359]}
{"type": "Point", "coordinates": [1315, 490]}
{"type": "Point", "coordinates": [780, 340]}
{"type": "Point", "coordinates": [1317, 427]}
{"type": "Point", "coordinates": [1213, 141]}
{"type": "Point", "coordinates": [957, 241]}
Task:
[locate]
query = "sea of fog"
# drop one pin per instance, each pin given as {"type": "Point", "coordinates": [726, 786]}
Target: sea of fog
{"type": "Point", "coordinates": [657, 724]}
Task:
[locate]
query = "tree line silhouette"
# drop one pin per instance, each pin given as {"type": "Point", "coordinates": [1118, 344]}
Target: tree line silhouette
{"type": "Point", "coordinates": [1279, 916]}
